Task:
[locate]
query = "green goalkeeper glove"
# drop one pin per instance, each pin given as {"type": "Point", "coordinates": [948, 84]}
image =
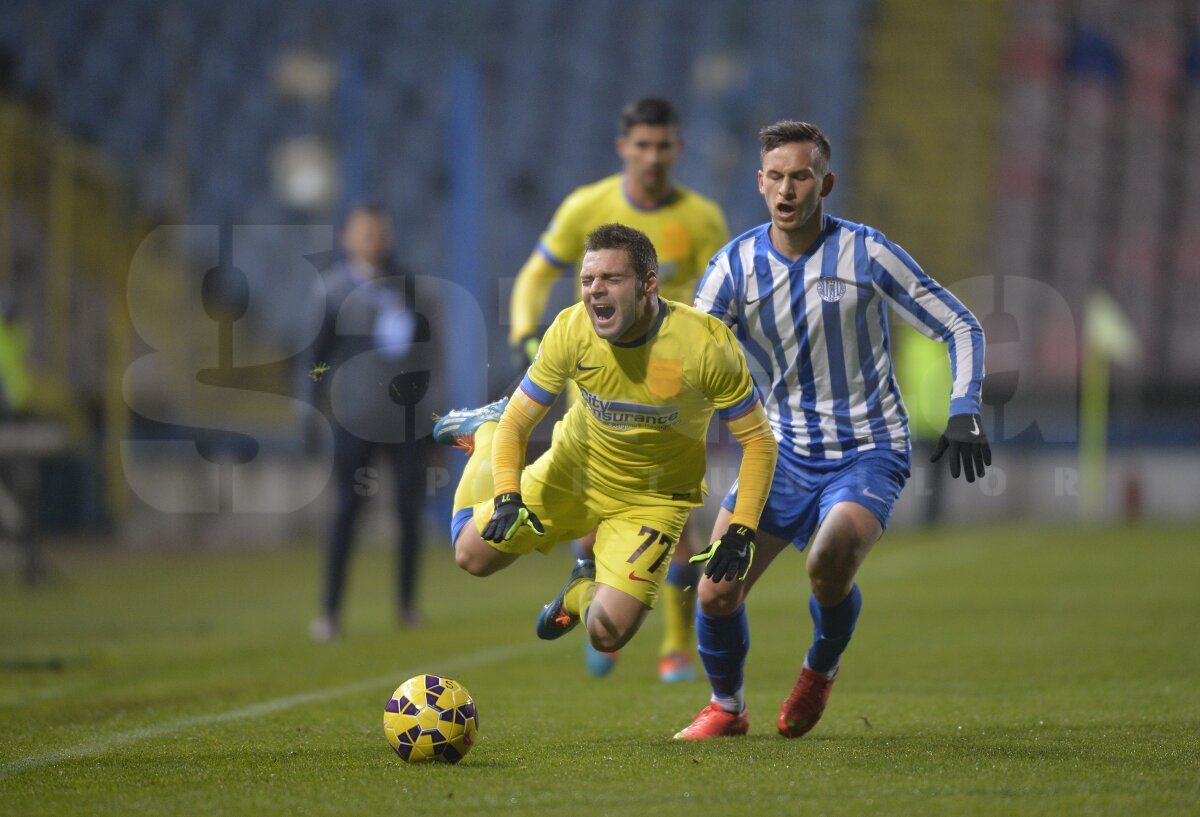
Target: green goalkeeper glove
{"type": "Point", "coordinates": [525, 351]}
{"type": "Point", "coordinates": [508, 517]}
{"type": "Point", "coordinates": [730, 556]}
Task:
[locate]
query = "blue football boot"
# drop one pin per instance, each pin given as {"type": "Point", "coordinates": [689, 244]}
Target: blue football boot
{"type": "Point", "coordinates": [555, 622]}
{"type": "Point", "coordinates": [458, 427]}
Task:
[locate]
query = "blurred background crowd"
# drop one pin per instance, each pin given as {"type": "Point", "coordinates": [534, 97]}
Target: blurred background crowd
{"type": "Point", "coordinates": [174, 178]}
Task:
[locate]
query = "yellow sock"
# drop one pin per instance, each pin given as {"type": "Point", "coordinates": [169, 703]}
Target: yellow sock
{"type": "Point", "coordinates": [579, 597]}
{"type": "Point", "coordinates": [679, 618]}
{"type": "Point", "coordinates": [477, 484]}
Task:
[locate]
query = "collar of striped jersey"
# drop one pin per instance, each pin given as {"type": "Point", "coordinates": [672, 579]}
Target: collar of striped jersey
{"type": "Point", "coordinates": [827, 227]}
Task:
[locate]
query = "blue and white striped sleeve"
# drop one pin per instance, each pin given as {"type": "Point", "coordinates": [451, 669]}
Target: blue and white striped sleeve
{"type": "Point", "coordinates": [936, 313]}
{"type": "Point", "coordinates": [716, 294]}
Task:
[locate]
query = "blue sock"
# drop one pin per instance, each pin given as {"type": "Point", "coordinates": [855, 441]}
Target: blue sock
{"type": "Point", "coordinates": [723, 643]}
{"type": "Point", "coordinates": [684, 575]}
{"type": "Point", "coordinates": [832, 628]}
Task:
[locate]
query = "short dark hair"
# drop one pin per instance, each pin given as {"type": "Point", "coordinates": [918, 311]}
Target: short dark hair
{"type": "Point", "coordinates": [786, 131]}
{"type": "Point", "coordinates": [636, 244]}
{"type": "Point", "coordinates": [651, 110]}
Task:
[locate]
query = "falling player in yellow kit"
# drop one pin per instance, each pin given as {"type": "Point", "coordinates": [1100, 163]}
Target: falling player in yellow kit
{"type": "Point", "coordinates": [627, 460]}
{"type": "Point", "coordinates": [686, 229]}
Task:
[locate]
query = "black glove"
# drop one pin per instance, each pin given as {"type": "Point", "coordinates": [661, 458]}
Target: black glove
{"type": "Point", "coordinates": [510, 514]}
{"type": "Point", "coordinates": [730, 556]}
{"type": "Point", "coordinates": [525, 351]}
{"type": "Point", "coordinates": [968, 446]}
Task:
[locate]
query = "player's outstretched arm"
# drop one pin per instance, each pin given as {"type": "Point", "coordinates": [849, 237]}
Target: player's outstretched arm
{"type": "Point", "coordinates": [530, 293]}
{"type": "Point", "coordinates": [759, 451]}
{"type": "Point", "coordinates": [521, 416]}
{"type": "Point", "coordinates": [936, 313]}
{"type": "Point", "coordinates": [967, 446]}
{"type": "Point", "coordinates": [729, 558]}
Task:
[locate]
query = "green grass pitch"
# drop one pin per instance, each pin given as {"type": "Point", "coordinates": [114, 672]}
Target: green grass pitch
{"type": "Point", "coordinates": [1006, 670]}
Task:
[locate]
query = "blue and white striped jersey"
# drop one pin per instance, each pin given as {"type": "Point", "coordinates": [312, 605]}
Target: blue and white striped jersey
{"type": "Point", "coordinates": [815, 332]}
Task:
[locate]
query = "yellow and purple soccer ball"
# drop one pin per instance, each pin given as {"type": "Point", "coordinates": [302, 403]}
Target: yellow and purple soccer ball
{"type": "Point", "coordinates": [431, 718]}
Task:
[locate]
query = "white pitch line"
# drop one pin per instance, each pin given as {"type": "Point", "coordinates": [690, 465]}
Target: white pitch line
{"type": "Point", "coordinates": [106, 744]}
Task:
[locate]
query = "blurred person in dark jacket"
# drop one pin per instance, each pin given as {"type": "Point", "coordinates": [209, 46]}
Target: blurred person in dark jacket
{"type": "Point", "coordinates": [369, 367]}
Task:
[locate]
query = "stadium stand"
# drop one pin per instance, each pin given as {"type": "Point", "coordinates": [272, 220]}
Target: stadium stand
{"type": "Point", "coordinates": [1023, 120]}
{"type": "Point", "coordinates": [183, 103]}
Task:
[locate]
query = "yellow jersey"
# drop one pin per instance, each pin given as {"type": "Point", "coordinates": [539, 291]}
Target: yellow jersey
{"type": "Point", "coordinates": [639, 426]}
{"type": "Point", "coordinates": [686, 230]}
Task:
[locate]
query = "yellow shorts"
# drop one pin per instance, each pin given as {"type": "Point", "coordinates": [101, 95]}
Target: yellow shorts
{"type": "Point", "coordinates": [634, 540]}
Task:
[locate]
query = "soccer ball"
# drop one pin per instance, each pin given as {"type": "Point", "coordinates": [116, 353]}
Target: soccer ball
{"type": "Point", "coordinates": [431, 718]}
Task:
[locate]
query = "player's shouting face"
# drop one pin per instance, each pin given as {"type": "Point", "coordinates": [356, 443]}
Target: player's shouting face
{"type": "Point", "coordinates": [621, 307]}
{"type": "Point", "coordinates": [793, 180]}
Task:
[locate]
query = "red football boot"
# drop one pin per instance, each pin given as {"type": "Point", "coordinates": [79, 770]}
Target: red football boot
{"type": "Point", "coordinates": [714, 722]}
{"type": "Point", "coordinates": [803, 707]}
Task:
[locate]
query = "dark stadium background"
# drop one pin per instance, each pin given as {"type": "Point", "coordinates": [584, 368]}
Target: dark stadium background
{"type": "Point", "coordinates": [1041, 157]}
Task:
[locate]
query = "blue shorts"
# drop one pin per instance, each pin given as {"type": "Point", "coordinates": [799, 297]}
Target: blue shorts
{"type": "Point", "coordinates": [803, 490]}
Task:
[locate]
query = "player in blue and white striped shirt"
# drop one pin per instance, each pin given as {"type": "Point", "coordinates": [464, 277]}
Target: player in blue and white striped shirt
{"type": "Point", "coordinates": [807, 296]}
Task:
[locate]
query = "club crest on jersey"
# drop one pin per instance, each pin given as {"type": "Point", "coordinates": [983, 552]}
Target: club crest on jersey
{"type": "Point", "coordinates": [664, 377]}
{"type": "Point", "coordinates": [831, 289]}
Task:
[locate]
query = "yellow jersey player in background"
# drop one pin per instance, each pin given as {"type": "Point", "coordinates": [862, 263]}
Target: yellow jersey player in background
{"type": "Point", "coordinates": [627, 460]}
{"type": "Point", "coordinates": [687, 230]}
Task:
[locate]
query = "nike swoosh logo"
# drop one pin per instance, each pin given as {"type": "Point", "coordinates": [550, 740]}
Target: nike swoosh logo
{"type": "Point", "coordinates": [638, 578]}
{"type": "Point", "coordinates": [867, 493]}
{"type": "Point", "coordinates": [760, 297]}
{"type": "Point", "coordinates": [974, 426]}
{"type": "Point", "coordinates": [583, 368]}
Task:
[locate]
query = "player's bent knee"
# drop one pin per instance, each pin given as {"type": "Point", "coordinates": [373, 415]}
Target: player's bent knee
{"type": "Point", "coordinates": [719, 598]}
{"type": "Point", "coordinates": [607, 640]}
{"type": "Point", "coordinates": [831, 573]}
{"type": "Point", "coordinates": [826, 563]}
{"type": "Point", "coordinates": [464, 559]}
{"type": "Point", "coordinates": [472, 560]}
{"type": "Point", "coordinates": [603, 643]}
{"type": "Point", "coordinates": [613, 618]}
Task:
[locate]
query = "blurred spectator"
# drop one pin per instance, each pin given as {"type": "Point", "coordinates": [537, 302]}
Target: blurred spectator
{"type": "Point", "coordinates": [14, 344]}
{"type": "Point", "coordinates": [27, 439]}
{"type": "Point", "coordinates": [371, 363]}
